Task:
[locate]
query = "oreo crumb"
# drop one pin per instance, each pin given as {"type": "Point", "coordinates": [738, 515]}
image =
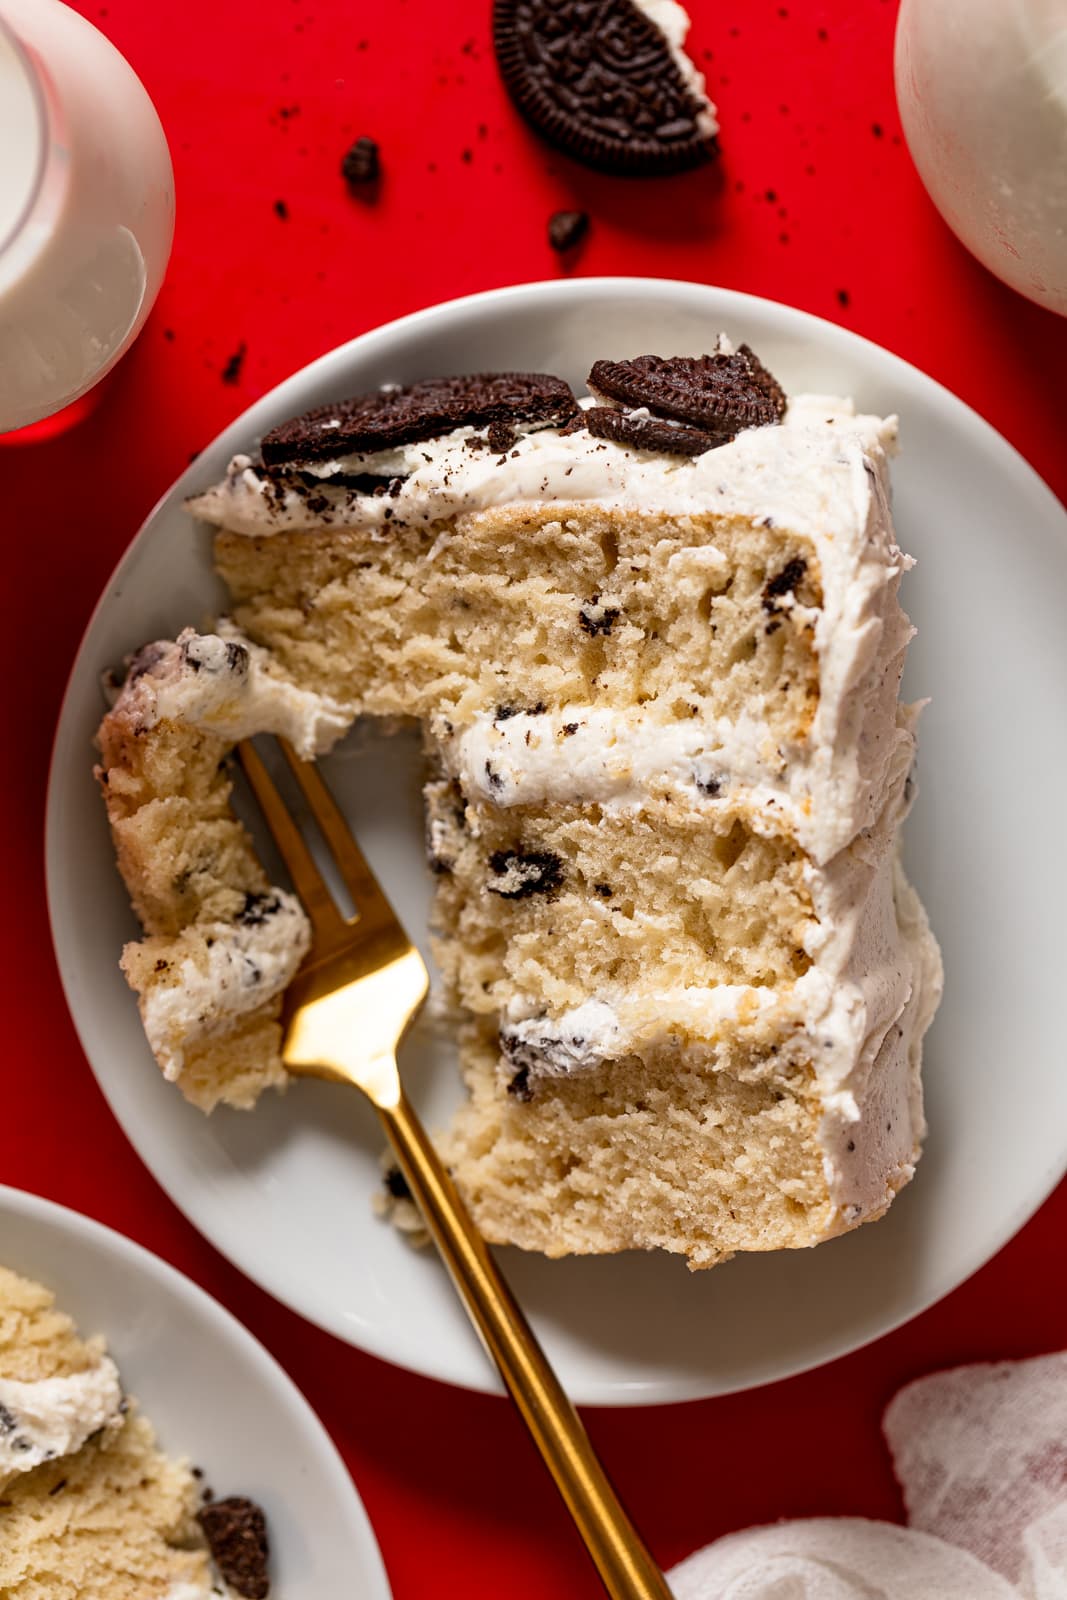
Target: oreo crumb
{"type": "Point", "coordinates": [257, 908]}
{"type": "Point", "coordinates": [520, 1087]}
{"type": "Point", "coordinates": [397, 1184]}
{"type": "Point", "coordinates": [604, 890]}
{"type": "Point", "coordinates": [500, 437]}
{"type": "Point", "coordinates": [843, 297]}
{"type": "Point", "coordinates": [594, 619]}
{"type": "Point", "coordinates": [361, 166]}
{"type": "Point", "coordinates": [231, 372]}
{"type": "Point", "coordinates": [567, 229]}
{"type": "Point", "coordinates": [281, 210]}
{"type": "Point", "coordinates": [787, 581]}
{"type": "Point", "coordinates": [525, 873]}
{"type": "Point", "coordinates": [236, 1532]}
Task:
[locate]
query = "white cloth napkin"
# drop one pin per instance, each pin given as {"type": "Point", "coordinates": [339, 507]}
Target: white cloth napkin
{"type": "Point", "coordinates": [981, 1455]}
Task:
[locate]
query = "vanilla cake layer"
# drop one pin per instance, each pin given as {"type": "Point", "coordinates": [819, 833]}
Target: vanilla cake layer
{"type": "Point", "coordinates": [667, 768]}
{"type": "Point", "coordinates": [89, 1507]}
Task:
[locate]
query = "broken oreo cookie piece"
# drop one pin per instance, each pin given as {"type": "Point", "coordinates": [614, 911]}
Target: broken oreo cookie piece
{"type": "Point", "coordinates": [601, 83]}
{"type": "Point", "coordinates": [649, 433]}
{"type": "Point", "coordinates": [388, 418]}
{"type": "Point", "coordinates": [720, 394]}
{"type": "Point", "coordinates": [236, 1532]}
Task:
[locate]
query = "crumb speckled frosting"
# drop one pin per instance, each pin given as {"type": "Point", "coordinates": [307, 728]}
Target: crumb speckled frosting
{"type": "Point", "coordinates": [51, 1417]}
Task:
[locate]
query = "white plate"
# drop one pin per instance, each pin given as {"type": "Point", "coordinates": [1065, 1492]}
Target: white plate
{"type": "Point", "coordinates": [285, 1192]}
{"type": "Point", "coordinates": [212, 1392]}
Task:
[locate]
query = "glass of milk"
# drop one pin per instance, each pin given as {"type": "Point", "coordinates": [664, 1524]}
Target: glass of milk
{"type": "Point", "coordinates": [86, 208]}
{"type": "Point", "coordinates": [982, 90]}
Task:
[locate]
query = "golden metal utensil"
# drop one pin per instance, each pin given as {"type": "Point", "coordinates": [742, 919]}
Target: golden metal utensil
{"type": "Point", "coordinates": [357, 993]}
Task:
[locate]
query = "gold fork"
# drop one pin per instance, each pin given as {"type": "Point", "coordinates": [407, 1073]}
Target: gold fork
{"type": "Point", "coordinates": [357, 993]}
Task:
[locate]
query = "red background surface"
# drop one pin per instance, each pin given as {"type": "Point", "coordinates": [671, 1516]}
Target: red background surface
{"type": "Point", "coordinates": [816, 203]}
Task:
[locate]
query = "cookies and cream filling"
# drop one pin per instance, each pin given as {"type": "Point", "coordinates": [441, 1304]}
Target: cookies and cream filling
{"type": "Point", "coordinates": [224, 684]}
{"type": "Point", "coordinates": [45, 1418]}
{"type": "Point", "coordinates": [795, 474]}
{"type": "Point", "coordinates": [218, 972]}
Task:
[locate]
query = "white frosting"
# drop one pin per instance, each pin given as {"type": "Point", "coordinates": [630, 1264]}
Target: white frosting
{"type": "Point", "coordinates": [582, 1038]}
{"type": "Point", "coordinates": [673, 22]}
{"type": "Point", "coordinates": [221, 682]}
{"type": "Point", "coordinates": [232, 968]}
{"type": "Point", "coordinates": [598, 755]}
{"type": "Point", "coordinates": [805, 475]}
{"type": "Point", "coordinates": [51, 1417]}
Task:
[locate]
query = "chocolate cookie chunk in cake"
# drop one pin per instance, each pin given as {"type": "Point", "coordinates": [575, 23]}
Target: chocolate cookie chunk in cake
{"type": "Point", "coordinates": [722, 393]}
{"type": "Point", "coordinates": [607, 81]}
{"type": "Point", "coordinates": [387, 418]}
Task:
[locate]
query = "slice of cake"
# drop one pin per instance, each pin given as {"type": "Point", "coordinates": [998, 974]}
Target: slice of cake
{"type": "Point", "coordinates": [655, 645]}
{"type": "Point", "coordinates": [90, 1509]}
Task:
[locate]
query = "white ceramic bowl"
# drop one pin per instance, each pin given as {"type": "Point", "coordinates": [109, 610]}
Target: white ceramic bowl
{"type": "Point", "coordinates": [285, 1192]}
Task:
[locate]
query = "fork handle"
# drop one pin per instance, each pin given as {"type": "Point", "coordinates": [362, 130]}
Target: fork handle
{"type": "Point", "coordinates": [625, 1565]}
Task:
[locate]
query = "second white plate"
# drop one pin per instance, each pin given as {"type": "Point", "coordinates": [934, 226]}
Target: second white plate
{"type": "Point", "coordinates": [285, 1192]}
{"type": "Point", "coordinates": [212, 1392]}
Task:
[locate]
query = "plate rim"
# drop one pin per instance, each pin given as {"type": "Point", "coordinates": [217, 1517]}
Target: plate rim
{"type": "Point", "coordinates": [677, 1389]}
{"type": "Point", "coordinates": [144, 1263]}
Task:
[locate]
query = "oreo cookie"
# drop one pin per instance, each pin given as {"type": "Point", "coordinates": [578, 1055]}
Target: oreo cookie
{"type": "Point", "coordinates": [387, 418]}
{"type": "Point", "coordinates": [649, 433]}
{"type": "Point", "coordinates": [598, 79]}
{"type": "Point", "coordinates": [721, 394]}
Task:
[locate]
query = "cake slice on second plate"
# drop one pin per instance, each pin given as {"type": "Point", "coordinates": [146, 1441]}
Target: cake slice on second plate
{"type": "Point", "coordinates": [90, 1508]}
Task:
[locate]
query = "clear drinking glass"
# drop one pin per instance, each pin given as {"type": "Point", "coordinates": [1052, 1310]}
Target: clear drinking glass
{"type": "Point", "coordinates": [982, 90]}
{"type": "Point", "coordinates": [86, 208]}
